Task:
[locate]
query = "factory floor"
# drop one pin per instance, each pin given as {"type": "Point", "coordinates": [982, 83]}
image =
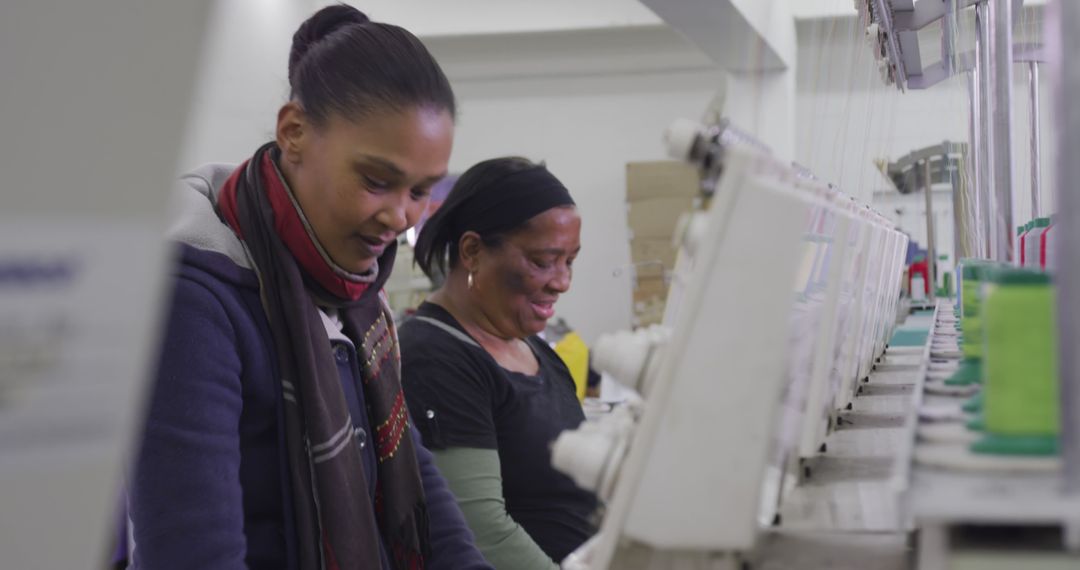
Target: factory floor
{"type": "Point", "coordinates": [852, 510]}
{"type": "Point", "coordinates": [845, 515]}
{"type": "Point", "coordinates": [795, 550]}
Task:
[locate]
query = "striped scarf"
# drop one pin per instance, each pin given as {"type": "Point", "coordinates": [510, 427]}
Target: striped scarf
{"type": "Point", "coordinates": [338, 525]}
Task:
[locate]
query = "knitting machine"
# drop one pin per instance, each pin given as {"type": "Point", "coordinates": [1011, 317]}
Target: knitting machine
{"type": "Point", "coordinates": [785, 293]}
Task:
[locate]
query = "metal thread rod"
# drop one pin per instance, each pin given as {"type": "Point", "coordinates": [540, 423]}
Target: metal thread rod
{"type": "Point", "coordinates": [960, 247]}
{"type": "Point", "coordinates": [1000, 22]}
{"type": "Point", "coordinates": [987, 211]}
{"type": "Point", "coordinates": [931, 249]}
{"type": "Point", "coordinates": [1066, 41]}
{"type": "Point", "coordinates": [1036, 132]}
{"type": "Point", "coordinates": [948, 38]}
{"type": "Point", "coordinates": [958, 181]}
{"type": "Point", "coordinates": [971, 215]}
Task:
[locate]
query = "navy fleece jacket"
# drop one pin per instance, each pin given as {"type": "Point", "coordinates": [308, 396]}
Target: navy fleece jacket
{"type": "Point", "coordinates": [209, 487]}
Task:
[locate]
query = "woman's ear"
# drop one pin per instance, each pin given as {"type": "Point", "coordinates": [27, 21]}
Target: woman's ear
{"type": "Point", "coordinates": [292, 133]}
{"type": "Point", "coordinates": [470, 245]}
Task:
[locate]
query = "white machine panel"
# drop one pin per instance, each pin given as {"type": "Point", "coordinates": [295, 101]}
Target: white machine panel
{"type": "Point", "coordinates": [726, 388]}
{"type": "Point", "coordinates": [784, 294]}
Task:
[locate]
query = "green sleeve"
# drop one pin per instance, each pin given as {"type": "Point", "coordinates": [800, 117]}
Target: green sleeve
{"type": "Point", "coordinates": [474, 476]}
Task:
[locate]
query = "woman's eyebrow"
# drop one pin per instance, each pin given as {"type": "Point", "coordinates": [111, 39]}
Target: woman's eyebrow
{"type": "Point", "coordinates": [379, 161]}
{"type": "Point", "coordinates": [554, 251]}
{"type": "Point", "coordinates": [394, 169]}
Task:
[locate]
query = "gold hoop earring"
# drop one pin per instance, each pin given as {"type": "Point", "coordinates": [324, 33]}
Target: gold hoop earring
{"type": "Point", "coordinates": [470, 281]}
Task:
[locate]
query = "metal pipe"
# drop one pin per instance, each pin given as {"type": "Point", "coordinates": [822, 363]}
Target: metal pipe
{"type": "Point", "coordinates": [987, 212]}
{"type": "Point", "coordinates": [1000, 22]}
{"type": "Point", "coordinates": [1065, 32]}
{"type": "Point", "coordinates": [972, 227]}
{"type": "Point", "coordinates": [1036, 132]}
{"type": "Point", "coordinates": [948, 38]}
{"type": "Point", "coordinates": [931, 248]}
{"type": "Point", "coordinates": [960, 249]}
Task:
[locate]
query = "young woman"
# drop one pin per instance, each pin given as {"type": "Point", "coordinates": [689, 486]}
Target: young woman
{"type": "Point", "coordinates": [489, 396]}
{"type": "Point", "coordinates": [277, 435]}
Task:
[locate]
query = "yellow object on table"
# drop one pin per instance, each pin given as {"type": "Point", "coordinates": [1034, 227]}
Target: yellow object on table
{"type": "Point", "coordinates": [575, 354]}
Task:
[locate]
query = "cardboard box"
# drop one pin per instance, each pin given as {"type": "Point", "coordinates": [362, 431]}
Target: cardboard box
{"type": "Point", "coordinates": [650, 296]}
{"type": "Point", "coordinates": [650, 271]}
{"type": "Point", "coordinates": [648, 313]}
{"type": "Point", "coordinates": [643, 250]}
{"type": "Point", "coordinates": [646, 288]}
{"type": "Point", "coordinates": [653, 267]}
{"type": "Point", "coordinates": [656, 218]}
{"type": "Point", "coordinates": [661, 179]}
{"type": "Point", "coordinates": [658, 193]}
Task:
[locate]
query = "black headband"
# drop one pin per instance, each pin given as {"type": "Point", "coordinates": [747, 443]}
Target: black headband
{"type": "Point", "coordinates": [514, 199]}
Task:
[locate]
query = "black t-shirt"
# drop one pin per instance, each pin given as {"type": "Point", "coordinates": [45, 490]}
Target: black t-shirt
{"type": "Point", "coordinates": [460, 397]}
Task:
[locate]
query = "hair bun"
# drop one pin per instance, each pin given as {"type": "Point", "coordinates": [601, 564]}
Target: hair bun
{"type": "Point", "coordinates": [321, 24]}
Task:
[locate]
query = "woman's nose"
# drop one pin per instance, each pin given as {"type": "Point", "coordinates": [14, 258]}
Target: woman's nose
{"type": "Point", "coordinates": [561, 281]}
{"type": "Point", "coordinates": [394, 214]}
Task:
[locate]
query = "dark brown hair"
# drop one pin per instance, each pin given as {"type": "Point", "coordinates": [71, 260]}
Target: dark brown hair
{"type": "Point", "coordinates": [342, 62]}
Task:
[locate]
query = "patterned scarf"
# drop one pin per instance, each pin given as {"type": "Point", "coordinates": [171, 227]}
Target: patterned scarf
{"type": "Point", "coordinates": [338, 527]}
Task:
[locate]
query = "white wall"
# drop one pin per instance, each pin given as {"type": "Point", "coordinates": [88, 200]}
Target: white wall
{"type": "Point", "coordinates": [244, 79]}
{"type": "Point", "coordinates": [474, 17]}
{"type": "Point", "coordinates": [431, 18]}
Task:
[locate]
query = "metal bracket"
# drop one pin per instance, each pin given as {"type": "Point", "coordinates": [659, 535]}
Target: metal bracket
{"type": "Point", "coordinates": [899, 22]}
{"type": "Point", "coordinates": [936, 73]}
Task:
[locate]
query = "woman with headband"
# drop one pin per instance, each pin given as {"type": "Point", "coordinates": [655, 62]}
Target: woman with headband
{"type": "Point", "coordinates": [488, 396]}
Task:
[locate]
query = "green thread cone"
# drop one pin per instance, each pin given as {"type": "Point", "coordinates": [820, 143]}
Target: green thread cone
{"type": "Point", "coordinates": [1020, 365]}
{"type": "Point", "coordinates": [970, 372]}
{"type": "Point", "coordinates": [975, 404]}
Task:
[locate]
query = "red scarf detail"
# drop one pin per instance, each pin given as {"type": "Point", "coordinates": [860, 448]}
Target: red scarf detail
{"type": "Point", "coordinates": [290, 228]}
